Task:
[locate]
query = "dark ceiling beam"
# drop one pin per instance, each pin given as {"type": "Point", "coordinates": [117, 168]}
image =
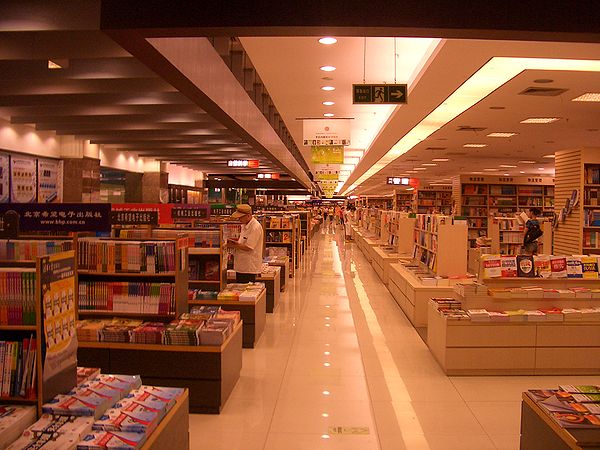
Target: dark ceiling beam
{"type": "Point", "coordinates": [145, 142]}
{"type": "Point", "coordinates": [116, 119]}
{"type": "Point", "coordinates": [251, 184]}
{"type": "Point", "coordinates": [65, 86]}
{"type": "Point", "coordinates": [160, 145]}
{"type": "Point", "coordinates": [77, 128]}
{"type": "Point", "coordinates": [200, 149]}
{"type": "Point", "coordinates": [31, 114]}
{"type": "Point", "coordinates": [193, 134]}
{"type": "Point", "coordinates": [173, 98]}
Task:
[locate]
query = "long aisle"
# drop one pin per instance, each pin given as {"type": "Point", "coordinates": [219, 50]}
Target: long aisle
{"type": "Point", "coordinates": [340, 367]}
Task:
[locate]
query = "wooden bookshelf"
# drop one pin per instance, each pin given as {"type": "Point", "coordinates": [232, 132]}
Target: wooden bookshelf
{"type": "Point", "coordinates": [403, 200]}
{"type": "Point", "coordinates": [280, 225]}
{"type": "Point", "coordinates": [507, 233]}
{"type": "Point", "coordinates": [434, 200]}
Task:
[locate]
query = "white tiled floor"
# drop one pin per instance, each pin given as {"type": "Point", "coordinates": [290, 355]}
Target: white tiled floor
{"type": "Point", "coordinates": [338, 352]}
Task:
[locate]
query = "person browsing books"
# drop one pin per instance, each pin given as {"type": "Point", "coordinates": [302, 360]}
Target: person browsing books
{"type": "Point", "coordinates": [248, 248]}
{"type": "Point", "coordinates": [532, 232]}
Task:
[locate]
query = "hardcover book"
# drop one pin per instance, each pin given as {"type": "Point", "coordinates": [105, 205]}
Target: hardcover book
{"type": "Point", "coordinates": [525, 267]}
{"type": "Point", "coordinates": [508, 266]}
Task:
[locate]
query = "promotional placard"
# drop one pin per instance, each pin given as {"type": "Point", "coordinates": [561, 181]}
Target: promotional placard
{"type": "Point", "coordinates": [190, 212]}
{"type": "Point", "coordinates": [50, 176]}
{"type": "Point", "coordinates": [326, 132]}
{"type": "Point", "coordinates": [222, 210]}
{"type": "Point", "coordinates": [23, 179]}
{"type": "Point", "coordinates": [4, 178]}
{"type": "Point", "coordinates": [163, 209]}
{"type": "Point", "coordinates": [61, 216]}
{"type": "Point", "coordinates": [58, 310]}
{"type": "Point", "coordinates": [134, 218]}
{"type": "Point", "coordinates": [327, 154]}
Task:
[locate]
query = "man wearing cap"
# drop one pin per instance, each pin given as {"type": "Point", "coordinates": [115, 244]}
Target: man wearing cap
{"type": "Point", "coordinates": [248, 249]}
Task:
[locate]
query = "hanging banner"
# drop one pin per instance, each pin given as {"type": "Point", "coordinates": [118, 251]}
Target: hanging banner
{"type": "Point", "coordinates": [327, 172]}
{"type": "Point", "coordinates": [58, 310]}
{"type": "Point", "coordinates": [327, 154]}
{"type": "Point", "coordinates": [163, 209]}
{"type": "Point", "coordinates": [326, 132]}
{"type": "Point", "coordinates": [49, 188]}
{"type": "Point", "coordinates": [23, 179]}
{"type": "Point", "coordinates": [4, 178]}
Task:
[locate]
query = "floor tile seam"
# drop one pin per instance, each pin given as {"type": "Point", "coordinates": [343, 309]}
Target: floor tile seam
{"type": "Point", "coordinates": [489, 436]}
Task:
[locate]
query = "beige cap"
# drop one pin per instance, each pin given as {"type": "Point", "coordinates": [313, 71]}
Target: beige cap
{"type": "Point", "coordinates": [241, 210]}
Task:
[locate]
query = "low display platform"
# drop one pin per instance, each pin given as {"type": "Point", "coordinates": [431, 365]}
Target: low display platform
{"type": "Point", "coordinates": [272, 281]}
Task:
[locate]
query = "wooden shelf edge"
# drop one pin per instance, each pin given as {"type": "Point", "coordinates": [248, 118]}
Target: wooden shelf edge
{"type": "Point", "coordinates": [18, 328]}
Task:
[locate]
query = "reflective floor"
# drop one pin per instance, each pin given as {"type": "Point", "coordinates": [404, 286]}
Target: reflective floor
{"type": "Point", "coordinates": [340, 367]}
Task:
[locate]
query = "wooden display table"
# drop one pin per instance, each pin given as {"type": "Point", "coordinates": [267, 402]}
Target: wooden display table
{"type": "Point", "coordinates": [272, 281]}
{"type": "Point", "coordinates": [173, 430]}
{"type": "Point", "coordinates": [284, 263]}
{"type": "Point", "coordinates": [381, 262]}
{"type": "Point", "coordinates": [540, 432]}
{"type": "Point", "coordinates": [411, 295]}
{"type": "Point", "coordinates": [253, 314]}
{"type": "Point", "coordinates": [209, 372]}
{"type": "Point", "coordinates": [465, 347]}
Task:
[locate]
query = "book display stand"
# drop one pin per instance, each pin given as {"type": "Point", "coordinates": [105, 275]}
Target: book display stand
{"type": "Point", "coordinates": [282, 237]}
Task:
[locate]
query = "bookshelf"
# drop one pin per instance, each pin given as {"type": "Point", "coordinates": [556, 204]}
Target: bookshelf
{"type": "Point", "coordinates": [397, 231]}
{"type": "Point", "coordinates": [483, 197]}
{"type": "Point", "coordinates": [434, 199]}
{"type": "Point", "coordinates": [591, 209]}
{"type": "Point", "coordinates": [507, 233]}
{"type": "Point", "coordinates": [37, 325]}
{"type": "Point", "coordinates": [403, 200]}
{"type": "Point", "coordinates": [128, 277]}
{"type": "Point", "coordinates": [282, 235]}
{"type": "Point", "coordinates": [440, 244]}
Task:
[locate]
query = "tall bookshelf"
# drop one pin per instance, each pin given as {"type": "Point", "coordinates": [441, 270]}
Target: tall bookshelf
{"type": "Point", "coordinates": [126, 277]}
{"type": "Point", "coordinates": [440, 244]}
{"type": "Point", "coordinates": [282, 230]}
{"type": "Point", "coordinates": [483, 197]}
{"type": "Point", "coordinates": [591, 209]}
{"type": "Point", "coordinates": [436, 199]}
{"type": "Point", "coordinates": [398, 230]}
{"type": "Point", "coordinates": [30, 307]}
{"type": "Point", "coordinates": [404, 200]}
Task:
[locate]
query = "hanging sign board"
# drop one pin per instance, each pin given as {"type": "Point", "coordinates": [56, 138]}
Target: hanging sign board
{"type": "Point", "coordinates": [163, 209]}
{"type": "Point", "coordinates": [326, 132]}
{"type": "Point", "coordinates": [401, 181]}
{"type": "Point", "coordinates": [327, 172]}
{"type": "Point", "coordinates": [124, 217]}
{"type": "Point", "coordinates": [327, 154]}
{"type": "Point", "coordinates": [379, 94]}
{"type": "Point", "coordinates": [61, 216]}
{"type": "Point", "coordinates": [191, 212]}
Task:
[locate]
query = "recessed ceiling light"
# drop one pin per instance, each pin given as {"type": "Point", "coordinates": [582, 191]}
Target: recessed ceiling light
{"type": "Point", "coordinates": [328, 103]}
{"type": "Point", "coordinates": [324, 415]}
{"type": "Point", "coordinates": [540, 168]}
{"type": "Point", "coordinates": [543, 80]}
{"type": "Point", "coordinates": [326, 392]}
{"type": "Point", "coordinates": [588, 97]}
{"type": "Point", "coordinates": [540, 120]}
{"type": "Point", "coordinates": [550, 156]}
{"type": "Point", "coordinates": [474, 145]}
{"type": "Point", "coordinates": [324, 436]}
{"type": "Point", "coordinates": [476, 173]}
{"type": "Point", "coordinates": [507, 174]}
{"type": "Point", "coordinates": [521, 171]}
{"type": "Point", "coordinates": [429, 164]}
{"type": "Point", "coordinates": [440, 159]}
{"type": "Point", "coordinates": [526, 161]}
{"type": "Point", "coordinates": [327, 88]}
{"type": "Point", "coordinates": [490, 170]}
{"type": "Point", "coordinates": [501, 134]}
{"type": "Point", "coordinates": [329, 114]}
{"type": "Point", "coordinates": [327, 68]}
{"type": "Point", "coordinates": [327, 40]}
{"type": "Point", "coordinates": [507, 166]}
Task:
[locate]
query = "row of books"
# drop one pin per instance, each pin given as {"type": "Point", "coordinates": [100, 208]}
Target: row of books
{"type": "Point", "coordinates": [570, 406]}
{"type": "Point", "coordinates": [539, 292]}
{"type": "Point", "coordinates": [431, 222]}
{"type": "Point", "coordinates": [548, 314]}
{"type": "Point", "coordinates": [279, 236]}
{"type": "Point", "coordinates": [590, 196]}
{"type": "Point", "coordinates": [543, 266]}
{"type": "Point", "coordinates": [207, 238]}
{"type": "Point", "coordinates": [592, 175]}
{"type": "Point", "coordinates": [531, 190]}
{"type": "Point", "coordinates": [111, 256]}
{"type": "Point", "coordinates": [474, 189]}
{"type": "Point", "coordinates": [530, 201]}
{"type": "Point", "coordinates": [591, 218]}
{"type": "Point", "coordinates": [425, 257]}
{"type": "Point", "coordinates": [474, 201]}
{"type": "Point", "coordinates": [499, 189]}
{"type": "Point", "coordinates": [132, 297]}
{"type": "Point", "coordinates": [277, 251]}
{"type": "Point", "coordinates": [511, 238]}
{"type": "Point", "coordinates": [248, 292]}
{"type": "Point", "coordinates": [591, 239]}
{"type": "Point", "coordinates": [204, 269]}
{"type": "Point", "coordinates": [201, 294]}
{"type": "Point", "coordinates": [17, 296]}
{"type": "Point", "coordinates": [18, 365]}
{"type": "Point", "coordinates": [508, 224]}
{"type": "Point", "coordinates": [474, 212]}
{"type": "Point", "coordinates": [29, 250]}
{"type": "Point", "coordinates": [427, 240]}
{"type": "Point", "coordinates": [280, 221]}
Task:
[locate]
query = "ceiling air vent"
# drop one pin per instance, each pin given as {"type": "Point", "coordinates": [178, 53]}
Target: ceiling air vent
{"type": "Point", "coordinates": [468, 128]}
{"type": "Point", "coordinates": [543, 91]}
{"type": "Point", "coordinates": [456, 154]}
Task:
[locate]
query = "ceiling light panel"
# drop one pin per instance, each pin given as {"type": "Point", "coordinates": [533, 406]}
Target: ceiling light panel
{"type": "Point", "coordinates": [588, 97]}
{"type": "Point", "coordinates": [474, 145]}
{"type": "Point", "coordinates": [328, 88]}
{"type": "Point", "coordinates": [541, 120]}
{"type": "Point", "coordinates": [329, 103]}
{"type": "Point", "coordinates": [327, 68]}
{"type": "Point", "coordinates": [501, 134]}
{"type": "Point", "coordinates": [327, 40]}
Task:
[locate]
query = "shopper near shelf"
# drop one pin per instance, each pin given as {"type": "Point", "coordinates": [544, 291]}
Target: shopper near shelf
{"type": "Point", "coordinates": [532, 233]}
{"type": "Point", "coordinates": [348, 221]}
{"type": "Point", "coordinates": [247, 255]}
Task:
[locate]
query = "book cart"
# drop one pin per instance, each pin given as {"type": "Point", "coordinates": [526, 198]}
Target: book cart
{"type": "Point", "coordinates": [210, 372]}
{"type": "Point", "coordinates": [524, 347]}
{"type": "Point", "coordinates": [30, 307]}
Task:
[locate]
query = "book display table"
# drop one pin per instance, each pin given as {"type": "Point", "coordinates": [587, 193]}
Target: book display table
{"type": "Point", "coordinates": [540, 432]}
{"type": "Point", "coordinates": [173, 430]}
{"type": "Point", "coordinates": [284, 263]}
{"type": "Point", "coordinates": [272, 281]}
{"type": "Point", "coordinates": [412, 295]}
{"type": "Point", "coordinates": [209, 372]}
{"type": "Point", "coordinates": [253, 315]}
{"type": "Point", "coordinates": [382, 259]}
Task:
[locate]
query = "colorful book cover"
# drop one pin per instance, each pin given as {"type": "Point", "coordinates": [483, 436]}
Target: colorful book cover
{"type": "Point", "coordinates": [558, 266]}
{"type": "Point", "coordinates": [491, 266]}
{"type": "Point", "coordinates": [525, 267]}
{"type": "Point", "coordinates": [574, 267]}
{"type": "Point", "coordinates": [508, 266]}
{"type": "Point", "coordinates": [542, 266]}
{"type": "Point", "coordinates": [589, 267]}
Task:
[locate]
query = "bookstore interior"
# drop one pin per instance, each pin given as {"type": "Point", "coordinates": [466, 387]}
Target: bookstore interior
{"type": "Point", "coordinates": [428, 199]}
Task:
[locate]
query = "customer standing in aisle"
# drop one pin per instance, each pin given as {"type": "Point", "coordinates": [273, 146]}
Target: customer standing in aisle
{"type": "Point", "coordinates": [533, 232]}
{"type": "Point", "coordinates": [247, 250]}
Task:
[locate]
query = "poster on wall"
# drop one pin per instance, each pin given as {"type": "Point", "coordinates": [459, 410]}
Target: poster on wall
{"type": "Point", "coordinates": [23, 180]}
{"type": "Point", "coordinates": [4, 178]}
{"type": "Point", "coordinates": [58, 309]}
{"type": "Point", "coordinates": [49, 188]}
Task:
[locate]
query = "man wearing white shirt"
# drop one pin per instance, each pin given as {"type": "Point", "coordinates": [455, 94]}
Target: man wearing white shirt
{"type": "Point", "coordinates": [247, 256]}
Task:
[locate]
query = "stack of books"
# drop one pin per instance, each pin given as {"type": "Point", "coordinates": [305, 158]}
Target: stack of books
{"type": "Point", "coordinates": [200, 294]}
{"type": "Point", "coordinates": [183, 332]}
{"type": "Point", "coordinates": [13, 421]}
{"type": "Point", "coordinates": [148, 333]}
{"type": "Point", "coordinates": [89, 330]}
{"type": "Point", "coordinates": [571, 406]}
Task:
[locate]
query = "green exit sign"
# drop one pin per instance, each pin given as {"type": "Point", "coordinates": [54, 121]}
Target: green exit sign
{"type": "Point", "coordinates": [368, 94]}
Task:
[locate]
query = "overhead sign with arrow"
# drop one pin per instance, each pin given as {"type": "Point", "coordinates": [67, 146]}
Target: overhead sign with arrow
{"type": "Point", "coordinates": [368, 94]}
